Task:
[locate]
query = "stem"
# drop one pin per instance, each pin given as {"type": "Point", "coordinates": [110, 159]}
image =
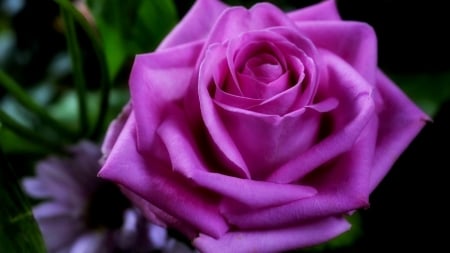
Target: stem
{"type": "Point", "coordinates": [78, 73]}
{"type": "Point", "coordinates": [28, 134]}
{"type": "Point", "coordinates": [23, 98]}
{"type": "Point", "coordinates": [106, 83]}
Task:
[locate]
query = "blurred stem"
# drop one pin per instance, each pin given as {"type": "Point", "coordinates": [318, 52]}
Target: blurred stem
{"type": "Point", "coordinates": [77, 66]}
{"type": "Point", "coordinates": [106, 83]}
{"type": "Point", "coordinates": [18, 93]}
{"type": "Point", "coordinates": [28, 134]}
{"type": "Point", "coordinates": [19, 231]}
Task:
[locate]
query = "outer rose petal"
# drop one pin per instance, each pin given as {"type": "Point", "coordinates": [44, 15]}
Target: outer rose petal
{"type": "Point", "coordinates": [158, 185]}
{"type": "Point", "coordinates": [401, 122]}
{"type": "Point", "coordinates": [158, 81]}
{"type": "Point", "coordinates": [277, 240]}
{"type": "Point", "coordinates": [195, 25]}
{"type": "Point", "coordinates": [354, 42]}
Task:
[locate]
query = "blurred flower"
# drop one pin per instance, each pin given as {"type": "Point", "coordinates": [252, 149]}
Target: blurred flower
{"type": "Point", "coordinates": [81, 213]}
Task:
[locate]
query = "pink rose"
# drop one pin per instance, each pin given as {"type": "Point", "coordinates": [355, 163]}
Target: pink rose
{"type": "Point", "coordinates": [255, 130]}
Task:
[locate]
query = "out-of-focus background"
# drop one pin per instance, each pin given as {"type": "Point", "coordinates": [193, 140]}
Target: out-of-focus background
{"type": "Point", "coordinates": [408, 210]}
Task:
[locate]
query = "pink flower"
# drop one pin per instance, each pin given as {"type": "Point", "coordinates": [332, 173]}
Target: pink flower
{"type": "Point", "coordinates": [258, 130]}
{"type": "Point", "coordinates": [79, 212]}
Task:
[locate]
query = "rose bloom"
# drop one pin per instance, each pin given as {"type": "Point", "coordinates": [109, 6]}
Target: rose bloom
{"type": "Point", "coordinates": [255, 130]}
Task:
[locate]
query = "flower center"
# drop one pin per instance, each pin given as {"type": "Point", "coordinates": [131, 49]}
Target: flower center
{"type": "Point", "coordinates": [264, 68]}
{"type": "Point", "coordinates": [106, 207]}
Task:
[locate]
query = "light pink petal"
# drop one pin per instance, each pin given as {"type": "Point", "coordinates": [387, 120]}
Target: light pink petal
{"type": "Point", "coordinates": [355, 42]}
{"type": "Point", "coordinates": [400, 122]}
{"type": "Point", "coordinates": [93, 242]}
{"type": "Point", "coordinates": [326, 10]}
{"type": "Point", "coordinates": [35, 188]}
{"type": "Point", "coordinates": [195, 25]}
{"type": "Point", "coordinates": [157, 82]}
{"type": "Point", "coordinates": [154, 181]}
{"type": "Point", "coordinates": [276, 240]}
{"type": "Point", "coordinates": [59, 226]}
{"type": "Point", "coordinates": [49, 209]}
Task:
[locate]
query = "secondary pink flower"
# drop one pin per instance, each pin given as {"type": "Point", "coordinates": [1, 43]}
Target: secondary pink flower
{"type": "Point", "coordinates": [255, 130]}
{"type": "Point", "coordinates": [81, 213]}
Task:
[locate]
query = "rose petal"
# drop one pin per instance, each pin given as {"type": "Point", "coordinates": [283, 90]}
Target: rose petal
{"type": "Point", "coordinates": [184, 153]}
{"type": "Point", "coordinates": [255, 194]}
{"type": "Point", "coordinates": [326, 10]}
{"type": "Point", "coordinates": [269, 136]}
{"type": "Point", "coordinates": [355, 110]}
{"type": "Point", "coordinates": [236, 20]}
{"type": "Point", "coordinates": [157, 184]}
{"type": "Point", "coordinates": [277, 240]}
{"type": "Point", "coordinates": [113, 131]}
{"type": "Point", "coordinates": [226, 148]}
{"type": "Point", "coordinates": [195, 25]}
{"type": "Point", "coordinates": [355, 42]}
{"type": "Point", "coordinates": [402, 120]}
{"type": "Point", "coordinates": [157, 81]}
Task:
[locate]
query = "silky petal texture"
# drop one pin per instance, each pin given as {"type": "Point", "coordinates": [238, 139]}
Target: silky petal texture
{"type": "Point", "coordinates": [236, 20]}
{"type": "Point", "coordinates": [355, 42]}
{"type": "Point", "coordinates": [158, 216]}
{"type": "Point", "coordinates": [159, 184]}
{"type": "Point", "coordinates": [113, 131]}
{"type": "Point", "coordinates": [157, 81]}
{"type": "Point", "coordinates": [400, 123]}
{"type": "Point", "coordinates": [326, 10]}
{"type": "Point", "coordinates": [185, 159]}
{"type": "Point", "coordinates": [195, 25]}
{"type": "Point", "coordinates": [277, 240]}
{"type": "Point", "coordinates": [351, 89]}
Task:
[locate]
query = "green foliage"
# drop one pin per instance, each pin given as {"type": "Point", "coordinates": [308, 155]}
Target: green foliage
{"type": "Point", "coordinates": [428, 90]}
{"type": "Point", "coordinates": [128, 28]}
{"type": "Point", "coordinates": [19, 232]}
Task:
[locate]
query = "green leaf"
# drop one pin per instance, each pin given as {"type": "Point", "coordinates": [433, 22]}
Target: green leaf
{"type": "Point", "coordinates": [131, 27]}
{"type": "Point", "coordinates": [16, 91]}
{"type": "Point", "coordinates": [77, 67]}
{"type": "Point", "coordinates": [105, 81]}
{"type": "Point", "coordinates": [428, 90]}
{"type": "Point", "coordinates": [344, 240]}
{"type": "Point", "coordinates": [19, 232]}
{"type": "Point", "coordinates": [27, 133]}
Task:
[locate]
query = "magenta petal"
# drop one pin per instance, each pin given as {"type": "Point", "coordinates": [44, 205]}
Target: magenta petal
{"type": "Point", "coordinates": [114, 129]}
{"type": "Point", "coordinates": [276, 145]}
{"type": "Point", "coordinates": [228, 152]}
{"type": "Point", "coordinates": [277, 240]}
{"type": "Point", "coordinates": [183, 151]}
{"type": "Point", "coordinates": [327, 10]}
{"type": "Point", "coordinates": [195, 25]}
{"type": "Point", "coordinates": [157, 184]}
{"type": "Point", "coordinates": [236, 20]}
{"type": "Point", "coordinates": [256, 194]}
{"type": "Point", "coordinates": [355, 42]}
{"type": "Point", "coordinates": [157, 81]}
{"type": "Point", "coordinates": [400, 123]}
